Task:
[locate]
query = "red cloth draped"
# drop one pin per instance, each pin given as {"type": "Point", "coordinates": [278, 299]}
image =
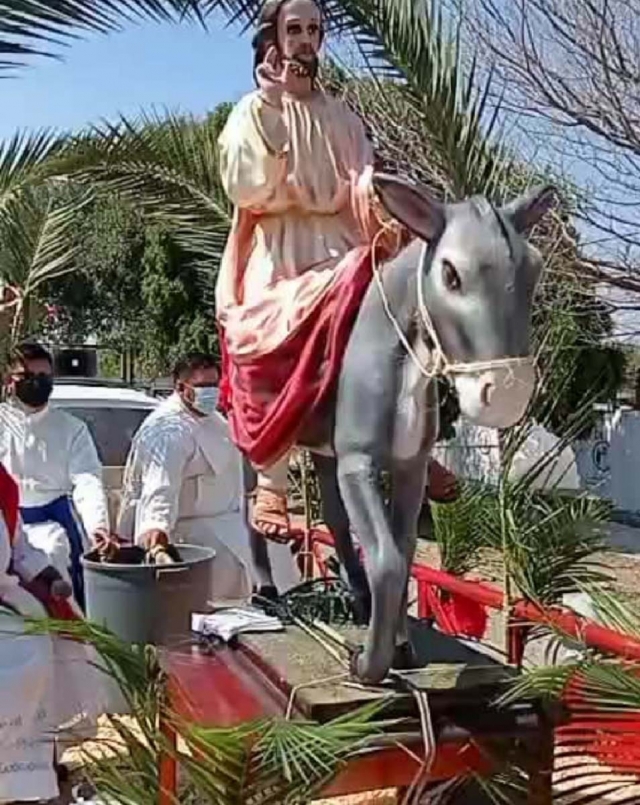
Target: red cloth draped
{"type": "Point", "coordinates": [269, 399]}
{"type": "Point", "coordinates": [9, 502]}
{"type": "Point", "coordinates": [58, 608]}
{"type": "Point", "coordinates": [457, 615]}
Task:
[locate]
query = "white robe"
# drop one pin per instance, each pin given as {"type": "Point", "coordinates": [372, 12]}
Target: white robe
{"type": "Point", "coordinates": [183, 477]}
{"type": "Point", "coordinates": [50, 454]}
{"type": "Point", "coordinates": [46, 682]}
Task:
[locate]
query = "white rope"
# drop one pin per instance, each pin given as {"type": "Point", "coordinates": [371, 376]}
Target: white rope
{"type": "Point", "coordinates": [440, 364]}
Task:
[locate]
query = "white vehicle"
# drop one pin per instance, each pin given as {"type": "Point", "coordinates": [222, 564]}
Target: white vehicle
{"type": "Point", "coordinates": [113, 414]}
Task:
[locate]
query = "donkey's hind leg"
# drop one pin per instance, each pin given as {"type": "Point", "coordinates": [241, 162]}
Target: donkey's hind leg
{"type": "Point", "coordinates": [335, 517]}
{"type": "Point", "coordinates": [260, 559]}
{"type": "Point", "coordinates": [408, 488]}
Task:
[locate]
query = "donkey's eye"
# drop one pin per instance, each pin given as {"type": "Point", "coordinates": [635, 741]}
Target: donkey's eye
{"type": "Point", "coordinates": [450, 276]}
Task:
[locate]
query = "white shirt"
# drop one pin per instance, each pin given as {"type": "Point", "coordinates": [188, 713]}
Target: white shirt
{"type": "Point", "coordinates": [50, 453]}
{"type": "Point", "coordinates": [180, 466]}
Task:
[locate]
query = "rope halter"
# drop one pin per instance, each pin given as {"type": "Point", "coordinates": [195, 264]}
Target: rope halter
{"type": "Point", "coordinates": [440, 364]}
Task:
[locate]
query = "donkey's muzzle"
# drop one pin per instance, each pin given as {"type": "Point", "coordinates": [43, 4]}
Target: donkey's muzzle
{"type": "Point", "coordinates": [497, 397]}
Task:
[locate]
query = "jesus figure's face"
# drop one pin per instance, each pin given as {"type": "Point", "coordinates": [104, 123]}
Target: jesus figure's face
{"type": "Point", "coordinates": [300, 32]}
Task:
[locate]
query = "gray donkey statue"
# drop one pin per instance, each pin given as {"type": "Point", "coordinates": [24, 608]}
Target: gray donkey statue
{"type": "Point", "coordinates": [456, 301]}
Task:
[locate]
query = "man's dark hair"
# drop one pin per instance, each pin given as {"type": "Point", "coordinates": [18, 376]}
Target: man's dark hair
{"type": "Point", "coordinates": [266, 33]}
{"type": "Point", "coordinates": [27, 351]}
{"type": "Point", "coordinates": [191, 362]}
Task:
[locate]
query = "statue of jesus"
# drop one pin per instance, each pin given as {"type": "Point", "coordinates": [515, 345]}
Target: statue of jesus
{"type": "Point", "coordinates": [297, 165]}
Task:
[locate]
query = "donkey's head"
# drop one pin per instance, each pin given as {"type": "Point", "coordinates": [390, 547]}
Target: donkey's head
{"type": "Point", "coordinates": [478, 275]}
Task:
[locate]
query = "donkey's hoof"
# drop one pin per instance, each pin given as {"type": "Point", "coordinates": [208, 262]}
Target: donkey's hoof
{"type": "Point", "coordinates": [354, 661]}
{"type": "Point", "coordinates": [364, 670]}
{"type": "Point", "coordinates": [404, 657]}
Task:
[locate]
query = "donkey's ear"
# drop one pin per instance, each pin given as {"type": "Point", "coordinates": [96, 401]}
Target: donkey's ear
{"type": "Point", "coordinates": [411, 204]}
{"type": "Point", "coordinates": [526, 210]}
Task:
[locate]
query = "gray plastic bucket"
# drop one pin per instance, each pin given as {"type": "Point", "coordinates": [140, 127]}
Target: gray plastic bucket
{"type": "Point", "coordinates": [149, 603]}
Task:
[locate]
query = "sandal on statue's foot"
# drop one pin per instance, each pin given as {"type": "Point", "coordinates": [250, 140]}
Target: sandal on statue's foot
{"type": "Point", "coordinates": [270, 517]}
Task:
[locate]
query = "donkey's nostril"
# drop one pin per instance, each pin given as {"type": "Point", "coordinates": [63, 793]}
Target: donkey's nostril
{"type": "Point", "coordinates": [485, 393]}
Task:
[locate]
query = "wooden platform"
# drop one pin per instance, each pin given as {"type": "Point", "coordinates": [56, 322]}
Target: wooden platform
{"type": "Point", "coordinates": [266, 672]}
{"type": "Point", "coordinates": [454, 675]}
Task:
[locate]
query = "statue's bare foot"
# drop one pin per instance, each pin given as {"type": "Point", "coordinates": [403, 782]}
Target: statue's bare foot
{"type": "Point", "coordinates": [270, 516]}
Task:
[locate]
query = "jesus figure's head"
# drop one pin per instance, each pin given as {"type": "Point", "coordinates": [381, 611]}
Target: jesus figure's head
{"type": "Point", "coordinates": [294, 27]}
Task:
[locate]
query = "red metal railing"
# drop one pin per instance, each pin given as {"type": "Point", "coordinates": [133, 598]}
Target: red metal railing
{"type": "Point", "coordinates": [522, 616]}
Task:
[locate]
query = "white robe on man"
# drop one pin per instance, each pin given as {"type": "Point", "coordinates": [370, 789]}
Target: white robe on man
{"type": "Point", "coordinates": [51, 454]}
{"type": "Point", "coordinates": [46, 682]}
{"type": "Point", "coordinates": [183, 477]}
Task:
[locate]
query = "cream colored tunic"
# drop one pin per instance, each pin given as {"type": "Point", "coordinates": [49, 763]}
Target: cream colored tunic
{"type": "Point", "coordinates": [301, 206]}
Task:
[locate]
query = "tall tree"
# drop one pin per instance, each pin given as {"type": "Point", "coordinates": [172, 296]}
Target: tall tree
{"type": "Point", "coordinates": [132, 289]}
{"type": "Point", "coordinates": [569, 73]}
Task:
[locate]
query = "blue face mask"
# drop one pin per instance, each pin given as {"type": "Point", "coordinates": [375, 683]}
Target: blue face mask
{"type": "Point", "coordinates": [205, 399]}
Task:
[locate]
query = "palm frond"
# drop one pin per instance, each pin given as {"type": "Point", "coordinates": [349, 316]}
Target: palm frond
{"type": "Point", "coordinates": [168, 168]}
{"type": "Point", "coordinates": [275, 761]}
{"type": "Point", "coordinates": [268, 762]}
{"type": "Point", "coordinates": [415, 44]}
{"type": "Point", "coordinates": [24, 159]}
{"type": "Point", "coordinates": [40, 27]}
{"type": "Point", "coordinates": [460, 527]}
{"type": "Point", "coordinates": [37, 245]}
{"type": "Point", "coordinates": [548, 542]}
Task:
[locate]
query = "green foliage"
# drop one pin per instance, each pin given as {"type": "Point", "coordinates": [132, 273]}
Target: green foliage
{"type": "Point", "coordinates": [579, 368]}
{"type": "Point", "coordinates": [33, 27]}
{"type": "Point", "coordinates": [103, 297]}
{"type": "Point", "coordinates": [461, 527]}
{"type": "Point", "coordinates": [132, 288]}
{"type": "Point", "coordinates": [178, 315]}
{"type": "Point", "coordinates": [547, 541]}
{"type": "Point", "coordinates": [168, 169]}
{"type": "Point", "coordinates": [269, 762]}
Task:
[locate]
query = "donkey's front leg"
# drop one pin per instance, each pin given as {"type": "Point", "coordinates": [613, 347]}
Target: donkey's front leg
{"type": "Point", "coordinates": [385, 560]}
{"type": "Point", "coordinates": [408, 486]}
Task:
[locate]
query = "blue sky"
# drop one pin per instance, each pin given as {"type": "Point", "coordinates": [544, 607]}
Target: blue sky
{"type": "Point", "coordinates": [180, 67]}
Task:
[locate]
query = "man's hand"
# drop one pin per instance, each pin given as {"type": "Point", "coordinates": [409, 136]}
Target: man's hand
{"type": "Point", "coordinates": [105, 543]}
{"type": "Point", "coordinates": [61, 589]}
{"type": "Point", "coordinates": [153, 538]}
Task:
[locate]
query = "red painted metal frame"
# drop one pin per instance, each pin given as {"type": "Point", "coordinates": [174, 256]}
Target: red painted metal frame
{"type": "Point", "coordinates": [231, 687]}
{"type": "Point", "coordinates": [522, 616]}
{"type": "Point", "coordinates": [253, 690]}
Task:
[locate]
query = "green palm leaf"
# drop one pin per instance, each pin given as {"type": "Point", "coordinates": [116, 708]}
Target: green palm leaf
{"type": "Point", "coordinates": [270, 762]}
{"type": "Point", "coordinates": [398, 38]}
{"type": "Point", "coordinates": [167, 167]}
{"type": "Point", "coordinates": [25, 160]}
{"type": "Point", "coordinates": [460, 527]}
{"type": "Point", "coordinates": [36, 243]}
{"type": "Point", "coordinates": [32, 27]}
{"type": "Point", "coordinates": [423, 49]}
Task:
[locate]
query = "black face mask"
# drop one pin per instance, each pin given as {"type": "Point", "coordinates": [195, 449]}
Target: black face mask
{"type": "Point", "coordinates": [34, 390]}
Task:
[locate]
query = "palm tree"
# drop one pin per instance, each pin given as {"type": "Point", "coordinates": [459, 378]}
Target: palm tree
{"type": "Point", "coordinates": [169, 168]}
{"type": "Point", "coordinates": [37, 217]}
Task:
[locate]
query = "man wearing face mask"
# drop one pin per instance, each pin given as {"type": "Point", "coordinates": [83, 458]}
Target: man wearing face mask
{"type": "Point", "coordinates": [53, 458]}
{"type": "Point", "coordinates": [183, 483]}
